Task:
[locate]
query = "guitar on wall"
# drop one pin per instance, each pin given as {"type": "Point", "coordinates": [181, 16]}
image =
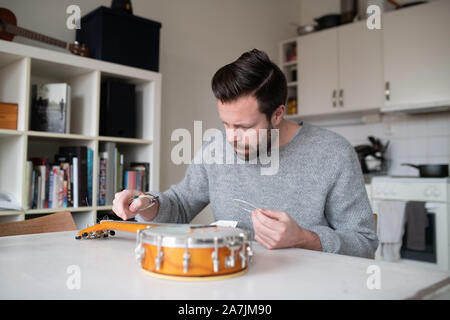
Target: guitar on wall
{"type": "Point", "coordinates": [9, 29]}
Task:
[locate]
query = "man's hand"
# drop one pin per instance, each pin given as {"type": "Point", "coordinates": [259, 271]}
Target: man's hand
{"type": "Point", "coordinates": [276, 229]}
{"type": "Point", "coordinates": [126, 208]}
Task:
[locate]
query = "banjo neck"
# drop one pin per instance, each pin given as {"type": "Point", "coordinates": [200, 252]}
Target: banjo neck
{"type": "Point", "coordinates": [96, 231]}
{"type": "Point", "coordinates": [102, 228]}
{"type": "Point", "coordinates": [18, 31]}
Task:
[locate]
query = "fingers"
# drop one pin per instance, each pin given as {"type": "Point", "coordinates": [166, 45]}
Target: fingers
{"type": "Point", "coordinates": [273, 214]}
{"type": "Point", "coordinates": [266, 242]}
{"type": "Point", "coordinates": [121, 204]}
{"type": "Point", "coordinates": [264, 225]}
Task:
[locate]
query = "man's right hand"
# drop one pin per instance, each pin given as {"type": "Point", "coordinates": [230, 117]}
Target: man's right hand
{"type": "Point", "coordinates": [126, 208]}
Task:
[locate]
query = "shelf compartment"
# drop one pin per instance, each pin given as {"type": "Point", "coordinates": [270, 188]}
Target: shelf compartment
{"type": "Point", "coordinates": [11, 165]}
{"type": "Point", "coordinates": [14, 85]}
{"type": "Point", "coordinates": [84, 93]}
{"type": "Point", "coordinates": [48, 147]}
{"type": "Point", "coordinates": [145, 91]}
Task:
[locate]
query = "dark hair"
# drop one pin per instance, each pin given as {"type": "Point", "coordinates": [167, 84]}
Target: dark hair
{"type": "Point", "coordinates": [252, 74]}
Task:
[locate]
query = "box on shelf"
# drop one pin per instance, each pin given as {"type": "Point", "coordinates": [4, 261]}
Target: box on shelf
{"type": "Point", "coordinates": [118, 109]}
{"type": "Point", "coordinates": [8, 115]}
{"type": "Point", "coordinates": [117, 36]}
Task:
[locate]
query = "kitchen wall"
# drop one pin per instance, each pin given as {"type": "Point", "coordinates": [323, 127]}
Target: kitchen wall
{"type": "Point", "coordinates": [413, 138]}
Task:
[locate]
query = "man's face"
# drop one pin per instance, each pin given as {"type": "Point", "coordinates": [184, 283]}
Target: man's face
{"type": "Point", "coordinates": [243, 121]}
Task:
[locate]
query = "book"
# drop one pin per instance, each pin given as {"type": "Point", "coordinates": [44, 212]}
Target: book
{"type": "Point", "coordinates": [102, 178]}
{"type": "Point", "coordinates": [109, 148]}
{"type": "Point", "coordinates": [90, 168]}
{"type": "Point", "coordinates": [145, 168]}
{"type": "Point", "coordinates": [65, 162]}
{"type": "Point", "coordinates": [28, 179]}
{"type": "Point", "coordinates": [80, 152]}
{"type": "Point", "coordinates": [50, 109]}
{"type": "Point", "coordinates": [75, 182]}
{"type": "Point", "coordinates": [131, 177]}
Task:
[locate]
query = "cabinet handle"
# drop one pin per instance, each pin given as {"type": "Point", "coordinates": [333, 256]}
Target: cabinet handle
{"type": "Point", "coordinates": [387, 91]}
{"type": "Point", "coordinates": [334, 98]}
{"type": "Point", "coordinates": [341, 97]}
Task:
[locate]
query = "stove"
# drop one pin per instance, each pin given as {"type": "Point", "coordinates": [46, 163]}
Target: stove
{"type": "Point", "coordinates": [435, 192]}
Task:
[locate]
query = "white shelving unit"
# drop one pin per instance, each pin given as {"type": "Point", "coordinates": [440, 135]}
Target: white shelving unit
{"type": "Point", "coordinates": [22, 66]}
{"type": "Point", "coordinates": [289, 64]}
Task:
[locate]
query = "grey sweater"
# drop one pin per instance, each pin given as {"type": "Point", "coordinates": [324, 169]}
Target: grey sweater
{"type": "Point", "coordinates": [319, 184]}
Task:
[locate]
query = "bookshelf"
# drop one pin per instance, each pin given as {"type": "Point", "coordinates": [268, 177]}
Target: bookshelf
{"type": "Point", "coordinates": [21, 66]}
{"type": "Point", "coordinates": [289, 65]}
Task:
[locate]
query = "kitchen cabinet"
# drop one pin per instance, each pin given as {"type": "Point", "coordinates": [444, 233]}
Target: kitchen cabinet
{"type": "Point", "coordinates": [340, 70]}
{"type": "Point", "coordinates": [360, 68]}
{"type": "Point", "coordinates": [317, 73]}
{"type": "Point", "coordinates": [416, 44]}
{"type": "Point", "coordinates": [404, 66]}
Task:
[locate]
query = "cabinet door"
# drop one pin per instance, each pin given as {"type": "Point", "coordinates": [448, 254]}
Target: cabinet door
{"type": "Point", "coordinates": [360, 68]}
{"type": "Point", "coordinates": [417, 54]}
{"type": "Point", "coordinates": [317, 72]}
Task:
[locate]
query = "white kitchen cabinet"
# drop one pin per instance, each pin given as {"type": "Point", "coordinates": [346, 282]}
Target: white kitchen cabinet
{"type": "Point", "coordinates": [340, 70]}
{"type": "Point", "coordinates": [416, 45]}
{"type": "Point", "coordinates": [318, 72]}
{"type": "Point", "coordinates": [360, 68]}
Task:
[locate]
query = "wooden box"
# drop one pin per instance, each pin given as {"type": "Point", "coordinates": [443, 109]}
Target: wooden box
{"type": "Point", "coordinates": [8, 116]}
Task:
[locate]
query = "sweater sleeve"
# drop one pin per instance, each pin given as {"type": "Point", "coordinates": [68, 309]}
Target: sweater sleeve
{"type": "Point", "coordinates": [351, 227]}
{"type": "Point", "coordinates": [183, 201]}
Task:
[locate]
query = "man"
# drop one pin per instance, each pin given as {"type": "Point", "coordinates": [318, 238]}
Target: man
{"type": "Point", "coordinates": [316, 199]}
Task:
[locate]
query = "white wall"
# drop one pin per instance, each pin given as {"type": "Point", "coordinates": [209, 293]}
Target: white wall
{"type": "Point", "coordinates": [197, 38]}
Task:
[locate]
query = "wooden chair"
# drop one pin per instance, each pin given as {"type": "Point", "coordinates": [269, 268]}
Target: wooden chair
{"type": "Point", "coordinates": [60, 221]}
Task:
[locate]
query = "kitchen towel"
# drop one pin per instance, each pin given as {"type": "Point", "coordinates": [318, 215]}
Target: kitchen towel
{"type": "Point", "coordinates": [391, 227]}
{"type": "Point", "coordinates": [416, 223]}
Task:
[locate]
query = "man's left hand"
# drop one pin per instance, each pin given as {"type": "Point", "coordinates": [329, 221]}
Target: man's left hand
{"type": "Point", "coordinates": [276, 230]}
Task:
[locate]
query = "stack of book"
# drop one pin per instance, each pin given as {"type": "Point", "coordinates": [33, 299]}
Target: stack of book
{"type": "Point", "coordinates": [66, 182]}
{"type": "Point", "coordinates": [115, 176]}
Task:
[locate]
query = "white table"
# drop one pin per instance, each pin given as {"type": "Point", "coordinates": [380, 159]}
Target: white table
{"type": "Point", "coordinates": [37, 266]}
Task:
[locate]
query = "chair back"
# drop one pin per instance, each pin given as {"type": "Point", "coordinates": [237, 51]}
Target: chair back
{"type": "Point", "coordinates": [60, 221]}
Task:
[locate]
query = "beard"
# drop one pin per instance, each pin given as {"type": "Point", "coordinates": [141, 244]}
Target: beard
{"type": "Point", "coordinates": [252, 152]}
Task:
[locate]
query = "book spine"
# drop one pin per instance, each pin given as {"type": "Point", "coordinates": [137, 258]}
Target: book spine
{"type": "Point", "coordinates": [132, 180]}
{"type": "Point", "coordinates": [75, 182]}
{"type": "Point", "coordinates": [60, 188]}
{"type": "Point", "coordinates": [50, 188]}
{"type": "Point", "coordinates": [90, 165]}
{"type": "Point", "coordinates": [121, 172]}
{"type": "Point", "coordinates": [39, 192]}
{"type": "Point", "coordinates": [29, 179]}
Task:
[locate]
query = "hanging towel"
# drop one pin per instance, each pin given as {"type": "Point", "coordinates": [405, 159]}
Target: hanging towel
{"type": "Point", "coordinates": [416, 223]}
{"type": "Point", "coordinates": [391, 227]}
